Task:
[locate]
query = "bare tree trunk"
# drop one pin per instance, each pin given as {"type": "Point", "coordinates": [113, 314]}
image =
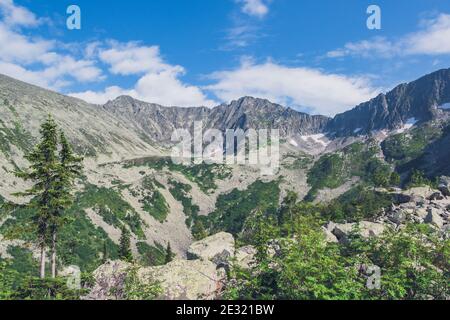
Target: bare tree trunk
{"type": "Point", "coordinates": [42, 274]}
{"type": "Point", "coordinates": [54, 254]}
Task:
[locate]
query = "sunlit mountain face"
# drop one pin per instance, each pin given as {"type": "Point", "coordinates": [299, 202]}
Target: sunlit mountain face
{"type": "Point", "coordinates": [193, 150]}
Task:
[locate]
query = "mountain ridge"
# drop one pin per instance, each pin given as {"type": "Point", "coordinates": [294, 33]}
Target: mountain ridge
{"type": "Point", "coordinates": [416, 101]}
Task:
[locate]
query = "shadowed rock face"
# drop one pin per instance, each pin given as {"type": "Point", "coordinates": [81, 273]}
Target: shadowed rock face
{"type": "Point", "coordinates": [159, 122]}
{"type": "Point", "coordinates": [417, 100]}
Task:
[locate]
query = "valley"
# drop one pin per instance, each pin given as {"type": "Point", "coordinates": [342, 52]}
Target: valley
{"type": "Point", "coordinates": [352, 169]}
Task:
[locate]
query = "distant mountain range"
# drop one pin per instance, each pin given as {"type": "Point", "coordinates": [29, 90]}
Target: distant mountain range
{"type": "Point", "coordinates": [127, 125]}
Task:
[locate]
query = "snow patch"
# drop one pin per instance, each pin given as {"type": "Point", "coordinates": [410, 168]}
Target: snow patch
{"type": "Point", "coordinates": [316, 138]}
{"type": "Point", "coordinates": [408, 125]}
{"type": "Point", "coordinates": [445, 106]}
{"type": "Point", "coordinates": [293, 142]}
{"type": "Point", "coordinates": [357, 130]}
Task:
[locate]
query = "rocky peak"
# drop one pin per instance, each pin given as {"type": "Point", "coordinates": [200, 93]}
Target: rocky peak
{"type": "Point", "coordinates": [158, 122]}
{"type": "Point", "coordinates": [414, 102]}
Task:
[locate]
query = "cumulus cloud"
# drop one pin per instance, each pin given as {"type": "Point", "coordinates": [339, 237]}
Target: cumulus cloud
{"type": "Point", "coordinates": [130, 58]}
{"type": "Point", "coordinates": [35, 60]}
{"type": "Point", "coordinates": [22, 49]}
{"type": "Point", "coordinates": [14, 15]}
{"type": "Point", "coordinates": [432, 39]}
{"type": "Point", "coordinates": [159, 81]}
{"type": "Point", "coordinates": [256, 8]}
{"type": "Point", "coordinates": [304, 88]}
{"type": "Point", "coordinates": [50, 64]}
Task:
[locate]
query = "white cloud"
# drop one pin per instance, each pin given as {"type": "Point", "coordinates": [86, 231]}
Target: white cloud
{"type": "Point", "coordinates": [241, 35]}
{"type": "Point", "coordinates": [52, 65]}
{"type": "Point", "coordinates": [22, 49]}
{"type": "Point", "coordinates": [130, 58]}
{"type": "Point", "coordinates": [256, 8]}
{"type": "Point", "coordinates": [433, 39]}
{"type": "Point", "coordinates": [14, 15]}
{"type": "Point", "coordinates": [378, 46]}
{"type": "Point", "coordinates": [303, 88]}
{"type": "Point", "coordinates": [159, 82]}
{"type": "Point", "coordinates": [35, 60]}
{"type": "Point", "coordinates": [100, 97]}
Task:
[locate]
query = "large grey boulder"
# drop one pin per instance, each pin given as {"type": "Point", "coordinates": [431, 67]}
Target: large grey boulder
{"type": "Point", "coordinates": [245, 257]}
{"type": "Point", "coordinates": [434, 218]}
{"type": "Point", "coordinates": [179, 279]}
{"type": "Point", "coordinates": [329, 236]}
{"type": "Point", "coordinates": [371, 229]}
{"type": "Point", "coordinates": [109, 281]}
{"type": "Point", "coordinates": [444, 186]}
{"type": "Point", "coordinates": [366, 229]}
{"type": "Point", "coordinates": [187, 279]}
{"type": "Point", "coordinates": [421, 212]}
{"type": "Point", "coordinates": [414, 195]}
{"type": "Point", "coordinates": [342, 230]}
{"type": "Point", "coordinates": [214, 247]}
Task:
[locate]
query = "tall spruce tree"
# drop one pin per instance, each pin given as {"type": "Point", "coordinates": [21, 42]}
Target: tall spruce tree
{"type": "Point", "coordinates": [125, 246]}
{"type": "Point", "coordinates": [69, 169]}
{"type": "Point", "coordinates": [43, 170]}
{"type": "Point", "coordinates": [52, 175]}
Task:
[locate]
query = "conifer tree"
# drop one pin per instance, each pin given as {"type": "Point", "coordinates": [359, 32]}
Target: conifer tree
{"type": "Point", "coordinates": [125, 246]}
{"type": "Point", "coordinates": [52, 175]}
{"type": "Point", "coordinates": [105, 254]}
{"type": "Point", "coordinates": [42, 173]}
{"type": "Point", "coordinates": [68, 170]}
{"type": "Point", "coordinates": [169, 254]}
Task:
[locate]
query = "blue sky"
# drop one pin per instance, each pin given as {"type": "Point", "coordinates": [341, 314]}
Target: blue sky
{"type": "Point", "coordinates": [315, 56]}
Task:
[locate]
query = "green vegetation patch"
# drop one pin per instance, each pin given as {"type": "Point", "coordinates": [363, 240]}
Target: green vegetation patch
{"type": "Point", "coordinates": [358, 159]}
{"type": "Point", "coordinates": [234, 208]}
{"type": "Point", "coordinates": [79, 243]}
{"type": "Point", "coordinates": [297, 162]}
{"type": "Point", "coordinates": [407, 146]}
{"type": "Point", "coordinates": [111, 206]}
{"type": "Point", "coordinates": [204, 175]}
{"type": "Point", "coordinates": [152, 201]}
{"type": "Point", "coordinates": [151, 255]}
{"type": "Point", "coordinates": [180, 192]}
{"type": "Point", "coordinates": [357, 204]}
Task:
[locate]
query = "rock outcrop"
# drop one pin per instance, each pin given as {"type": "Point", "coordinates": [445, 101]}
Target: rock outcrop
{"type": "Point", "coordinates": [178, 280]}
{"type": "Point", "coordinates": [212, 247]}
{"type": "Point", "coordinates": [366, 229]}
{"type": "Point", "coordinates": [201, 277]}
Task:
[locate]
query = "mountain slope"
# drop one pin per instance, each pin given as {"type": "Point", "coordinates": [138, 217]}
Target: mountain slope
{"type": "Point", "coordinates": [417, 101]}
{"type": "Point", "coordinates": [93, 131]}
